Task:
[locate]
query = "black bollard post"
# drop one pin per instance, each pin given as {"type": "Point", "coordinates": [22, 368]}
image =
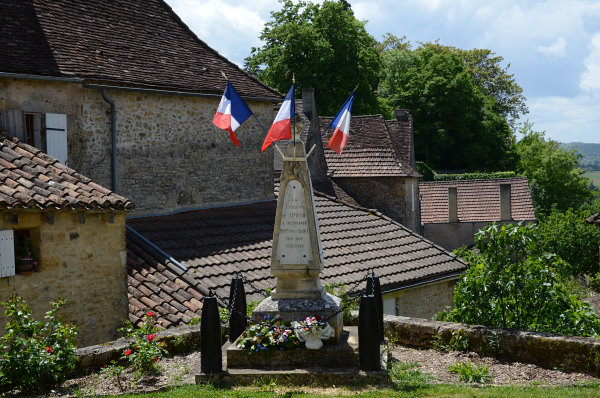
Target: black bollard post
{"type": "Point", "coordinates": [237, 298]}
{"type": "Point", "coordinates": [376, 291]}
{"type": "Point", "coordinates": [369, 356]}
{"type": "Point", "coordinates": [210, 329]}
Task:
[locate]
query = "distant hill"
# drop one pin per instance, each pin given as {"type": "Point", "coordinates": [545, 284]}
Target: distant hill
{"type": "Point", "coordinates": [590, 153]}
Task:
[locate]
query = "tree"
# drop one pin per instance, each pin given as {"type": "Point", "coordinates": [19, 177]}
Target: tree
{"type": "Point", "coordinates": [455, 124]}
{"type": "Point", "coordinates": [487, 73]}
{"type": "Point", "coordinates": [326, 47]}
{"type": "Point", "coordinates": [512, 283]}
{"type": "Point", "coordinates": [554, 175]}
{"type": "Point", "coordinates": [572, 238]}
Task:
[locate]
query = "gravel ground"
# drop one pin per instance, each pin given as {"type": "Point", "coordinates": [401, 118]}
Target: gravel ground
{"type": "Point", "coordinates": [177, 370]}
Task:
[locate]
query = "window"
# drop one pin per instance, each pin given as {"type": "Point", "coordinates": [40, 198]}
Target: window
{"type": "Point", "coordinates": [45, 131]}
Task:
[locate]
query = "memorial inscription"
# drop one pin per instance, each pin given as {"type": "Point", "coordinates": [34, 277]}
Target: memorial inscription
{"type": "Point", "coordinates": [293, 246]}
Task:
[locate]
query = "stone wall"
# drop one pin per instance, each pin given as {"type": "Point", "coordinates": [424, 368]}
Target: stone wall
{"type": "Point", "coordinates": [392, 196]}
{"type": "Point", "coordinates": [544, 349]}
{"type": "Point", "coordinates": [169, 154]}
{"type": "Point", "coordinates": [83, 263]}
{"type": "Point", "coordinates": [421, 301]}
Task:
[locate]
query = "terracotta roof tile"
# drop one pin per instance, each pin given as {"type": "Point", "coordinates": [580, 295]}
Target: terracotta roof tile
{"type": "Point", "coordinates": [28, 182]}
{"type": "Point", "coordinates": [478, 200]}
{"type": "Point", "coordinates": [371, 151]}
{"type": "Point", "coordinates": [139, 43]}
{"type": "Point", "coordinates": [355, 241]}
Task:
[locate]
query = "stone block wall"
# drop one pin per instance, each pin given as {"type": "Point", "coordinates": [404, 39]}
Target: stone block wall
{"type": "Point", "coordinates": [421, 301]}
{"type": "Point", "coordinates": [392, 196]}
{"type": "Point", "coordinates": [83, 263]}
{"type": "Point", "coordinates": [169, 154]}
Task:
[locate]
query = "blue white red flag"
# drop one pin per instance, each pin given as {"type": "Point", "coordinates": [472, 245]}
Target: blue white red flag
{"type": "Point", "coordinates": [341, 123]}
{"type": "Point", "coordinates": [232, 112]}
{"type": "Point", "coordinates": [282, 125]}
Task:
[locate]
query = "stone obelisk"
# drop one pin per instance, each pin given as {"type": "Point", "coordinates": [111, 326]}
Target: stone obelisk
{"type": "Point", "coordinates": [296, 255]}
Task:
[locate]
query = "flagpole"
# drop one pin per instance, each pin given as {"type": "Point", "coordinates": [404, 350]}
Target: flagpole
{"type": "Point", "coordinates": [324, 131]}
{"type": "Point", "coordinates": [294, 115]}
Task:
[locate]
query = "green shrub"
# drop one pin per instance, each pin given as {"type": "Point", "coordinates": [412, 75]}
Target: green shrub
{"type": "Point", "coordinates": [469, 373]}
{"type": "Point", "coordinates": [144, 350]}
{"type": "Point", "coordinates": [408, 374]}
{"type": "Point", "coordinates": [35, 354]}
{"type": "Point", "coordinates": [474, 176]}
{"type": "Point", "coordinates": [512, 283]}
{"type": "Point", "coordinates": [425, 170]}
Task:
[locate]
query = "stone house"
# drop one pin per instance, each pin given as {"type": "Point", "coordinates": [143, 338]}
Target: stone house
{"type": "Point", "coordinates": [453, 211]}
{"type": "Point", "coordinates": [74, 230]}
{"type": "Point", "coordinates": [377, 166]}
{"type": "Point", "coordinates": [123, 92]}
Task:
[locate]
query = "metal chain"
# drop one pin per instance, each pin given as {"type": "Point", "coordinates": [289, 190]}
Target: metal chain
{"type": "Point", "coordinates": [256, 290]}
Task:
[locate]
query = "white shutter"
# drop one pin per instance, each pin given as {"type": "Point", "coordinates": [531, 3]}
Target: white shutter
{"type": "Point", "coordinates": [56, 136]}
{"type": "Point", "coordinates": [7, 253]}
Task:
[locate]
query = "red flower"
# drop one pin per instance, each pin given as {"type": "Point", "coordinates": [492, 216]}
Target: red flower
{"type": "Point", "coordinates": [105, 365]}
{"type": "Point", "coordinates": [318, 317]}
{"type": "Point", "coordinates": [151, 337]}
{"type": "Point", "coordinates": [49, 350]}
{"type": "Point", "coordinates": [156, 359]}
{"type": "Point", "coordinates": [150, 313]}
{"type": "Point", "coordinates": [127, 353]}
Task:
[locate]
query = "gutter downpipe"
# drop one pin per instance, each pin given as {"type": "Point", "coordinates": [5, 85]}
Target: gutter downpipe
{"type": "Point", "coordinates": [158, 249]}
{"type": "Point", "coordinates": [113, 127]}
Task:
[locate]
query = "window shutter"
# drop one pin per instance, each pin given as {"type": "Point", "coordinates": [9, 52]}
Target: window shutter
{"type": "Point", "coordinates": [56, 136]}
{"type": "Point", "coordinates": [7, 253]}
{"type": "Point", "coordinates": [14, 123]}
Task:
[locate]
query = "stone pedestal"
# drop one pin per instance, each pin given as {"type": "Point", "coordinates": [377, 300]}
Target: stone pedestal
{"type": "Point", "coordinates": [328, 307]}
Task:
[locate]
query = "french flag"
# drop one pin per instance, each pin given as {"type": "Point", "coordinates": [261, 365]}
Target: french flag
{"type": "Point", "coordinates": [282, 125]}
{"type": "Point", "coordinates": [232, 112]}
{"type": "Point", "coordinates": [341, 122]}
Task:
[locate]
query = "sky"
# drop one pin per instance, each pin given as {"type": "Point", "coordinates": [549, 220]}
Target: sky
{"type": "Point", "coordinates": [552, 46]}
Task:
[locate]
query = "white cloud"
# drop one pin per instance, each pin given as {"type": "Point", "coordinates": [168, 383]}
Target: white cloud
{"type": "Point", "coordinates": [590, 79]}
{"type": "Point", "coordinates": [566, 119]}
{"type": "Point", "coordinates": [556, 49]}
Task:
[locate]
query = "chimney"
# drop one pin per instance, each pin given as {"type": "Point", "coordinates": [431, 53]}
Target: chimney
{"type": "Point", "coordinates": [505, 211]}
{"type": "Point", "coordinates": [404, 116]}
{"type": "Point", "coordinates": [452, 204]}
{"type": "Point", "coordinates": [316, 162]}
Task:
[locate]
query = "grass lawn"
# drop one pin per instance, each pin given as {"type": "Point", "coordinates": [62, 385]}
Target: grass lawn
{"type": "Point", "coordinates": [593, 175]}
{"type": "Point", "coordinates": [394, 390]}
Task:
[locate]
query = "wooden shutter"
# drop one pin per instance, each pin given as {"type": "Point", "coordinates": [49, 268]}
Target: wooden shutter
{"type": "Point", "coordinates": [7, 253]}
{"type": "Point", "coordinates": [14, 123]}
{"type": "Point", "coordinates": [56, 136]}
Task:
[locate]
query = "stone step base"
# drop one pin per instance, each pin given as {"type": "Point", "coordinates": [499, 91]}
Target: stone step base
{"type": "Point", "coordinates": [308, 376]}
{"type": "Point", "coordinates": [286, 369]}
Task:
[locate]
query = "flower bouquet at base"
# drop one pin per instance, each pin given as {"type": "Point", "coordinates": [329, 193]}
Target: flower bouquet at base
{"type": "Point", "coordinates": [312, 331]}
{"type": "Point", "coordinates": [272, 334]}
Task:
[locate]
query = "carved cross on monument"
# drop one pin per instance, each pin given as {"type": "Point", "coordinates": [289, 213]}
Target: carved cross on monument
{"type": "Point", "coordinates": [297, 256]}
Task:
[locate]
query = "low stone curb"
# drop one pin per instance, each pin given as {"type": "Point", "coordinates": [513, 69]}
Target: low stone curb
{"type": "Point", "coordinates": [543, 349]}
{"type": "Point", "coordinates": [176, 340]}
{"type": "Point", "coordinates": [547, 350]}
